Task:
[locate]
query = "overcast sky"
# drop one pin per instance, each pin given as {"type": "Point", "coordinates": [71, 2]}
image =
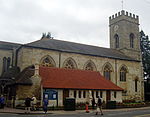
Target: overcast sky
{"type": "Point", "coordinates": [81, 21]}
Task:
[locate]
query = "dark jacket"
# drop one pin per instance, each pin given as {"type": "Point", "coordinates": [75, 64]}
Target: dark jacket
{"type": "Point", "coordinates": [28, 102]}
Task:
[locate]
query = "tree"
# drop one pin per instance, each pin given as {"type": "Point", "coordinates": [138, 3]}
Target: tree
{"type": "Point", "coordinates": [145, 50]}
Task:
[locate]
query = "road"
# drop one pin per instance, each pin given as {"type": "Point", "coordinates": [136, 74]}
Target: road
{"type": "Point", "coordinates": [141, 112]}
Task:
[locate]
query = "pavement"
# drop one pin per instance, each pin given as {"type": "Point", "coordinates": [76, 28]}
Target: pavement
{"type": "Point", "coordinates": [20, 111]}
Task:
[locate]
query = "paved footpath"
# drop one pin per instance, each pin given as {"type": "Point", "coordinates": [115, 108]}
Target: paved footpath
{"type": "Point", "coordinates": [20, 111]}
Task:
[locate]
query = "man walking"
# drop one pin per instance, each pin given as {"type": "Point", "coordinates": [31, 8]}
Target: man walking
{"type": "Point", "coordinates": [2, 101]}
{"type": "Point", "coordinates": [28, 104]}
{"type": "Point", "coordinates": [99, 105]}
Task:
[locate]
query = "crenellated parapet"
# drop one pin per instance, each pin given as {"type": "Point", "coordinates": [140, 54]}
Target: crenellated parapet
{"type": "Point", "coordinates": [124, 15]}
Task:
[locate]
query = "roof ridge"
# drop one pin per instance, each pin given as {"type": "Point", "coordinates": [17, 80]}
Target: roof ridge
{"type": "Point", "coordinates": [10, 42]}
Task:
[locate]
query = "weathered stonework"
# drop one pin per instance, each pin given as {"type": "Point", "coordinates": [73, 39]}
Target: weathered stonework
{"type": "Point", "coordinates": [134, 68]}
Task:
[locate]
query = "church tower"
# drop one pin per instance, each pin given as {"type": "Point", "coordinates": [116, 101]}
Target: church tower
{"type": "Point", "coordinates": [124, 34]}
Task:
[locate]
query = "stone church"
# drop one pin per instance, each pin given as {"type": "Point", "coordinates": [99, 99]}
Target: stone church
{"type": "Point", "coordinates": [56, 69]}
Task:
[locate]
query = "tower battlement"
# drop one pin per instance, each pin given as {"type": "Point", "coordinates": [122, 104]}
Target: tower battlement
{"type": "Point", "coordinates": [123, 15]}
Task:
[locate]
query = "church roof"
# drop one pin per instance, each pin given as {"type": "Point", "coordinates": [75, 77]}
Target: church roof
{"type": "Point", "coordinates": [8, 45]}
{"type": "Point", "coordinates": [74, 79]}
{"type": "Point", "coordinates": [24, 77]}
{"type": "Point", "coordinates": [70, 47]}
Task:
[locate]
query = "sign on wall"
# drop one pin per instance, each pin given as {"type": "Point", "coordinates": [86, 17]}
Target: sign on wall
{"type": "Point", "coordinates": [51, 94]}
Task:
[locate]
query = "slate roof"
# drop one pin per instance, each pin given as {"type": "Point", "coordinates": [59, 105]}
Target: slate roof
{"type": "Point", "coordinates": [8, 45]}
{"type": "Point", "coordinates": [65, 46]}
{"type": "Point", "coordinates": [11, 72]}
{"type": "Point", "coordinates": [75, 79]}
{"type": "Point", "coordinates": [24, 77]}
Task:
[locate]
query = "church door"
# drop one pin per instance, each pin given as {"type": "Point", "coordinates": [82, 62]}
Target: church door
{"type": "Point", "coordinates": [108, 96]}
{"type": "Point", "coordinates": [65, 94]}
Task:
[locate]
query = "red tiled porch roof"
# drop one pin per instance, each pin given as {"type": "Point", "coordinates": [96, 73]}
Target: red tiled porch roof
{"type": "Point", "coordinates": [74, 79]}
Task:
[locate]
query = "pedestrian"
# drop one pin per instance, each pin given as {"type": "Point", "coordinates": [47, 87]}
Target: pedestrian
{"type": "Point", "coordinates": [99, 105]}
{"type": "Point", "coordinates": [27, 104]}
{"type": "Point", "coordinates": [2, 101]}
{"type": "Point", "coordinates": [34, 101]}
{"type": "Point", "coordinates": [93, 103]}
{"type": "Point", "coordinates": [45, 104]}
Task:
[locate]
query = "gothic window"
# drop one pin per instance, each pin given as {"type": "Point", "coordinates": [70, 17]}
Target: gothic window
{"type": "Point", "coordinates": [116, 41]}
{"type": "Point", "coordinates": [8, 62]}
{"type": "Point", "coordinates": [123, 72]}
{"type": "Point", "coordinates": [131, 40]}
{"type": "Point", "coordinates": [4, 64]}
{"type": "Point", "coordinates": [90, 66]}
{"type": "Point", "coordinates": [136, 80]}
{"type": "Point", "coordinates": [48, 62]}
{"type": "Point", "coordinates": [70, 64]}
{"type": "Point", "coordinates": [107, 71]}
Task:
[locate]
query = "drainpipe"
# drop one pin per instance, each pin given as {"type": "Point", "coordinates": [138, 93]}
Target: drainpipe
{"type": "Point", "coordinates": [16, 55]}
{"type": "Point", "coordinates": [116, 71]}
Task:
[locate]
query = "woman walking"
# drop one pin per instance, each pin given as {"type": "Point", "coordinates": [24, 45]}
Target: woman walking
{"type": "Point", "coordinates": [45, 104]}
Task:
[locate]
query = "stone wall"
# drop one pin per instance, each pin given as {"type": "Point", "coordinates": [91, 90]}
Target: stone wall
{"type": "Point", "coordinates": [4, 53]}
{"type": "Point", "coordinates": [33, 56]}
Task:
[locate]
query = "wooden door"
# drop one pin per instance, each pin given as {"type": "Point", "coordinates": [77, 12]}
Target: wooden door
{"type": "Point", "coordinates": [65, 94]}
{"type": "Point", "coordinates": [108, 96]}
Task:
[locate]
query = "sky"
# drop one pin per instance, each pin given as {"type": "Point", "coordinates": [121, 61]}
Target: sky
{"type": "Point", "coordinates": [80, 21]}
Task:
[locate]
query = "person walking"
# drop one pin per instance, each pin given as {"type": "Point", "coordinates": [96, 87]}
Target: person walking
{"type": "Point", "coordinates": [34, 101]}
{"type": "Point", "coordinates": [45, 104]}
{"type": "Point", "coordinates": [93, 103]}
{"type": "Point", "coordinates": [99, 105]}
{"type": "Point", "coordinates": [2, 101]}
{"type": "Point", "coordinates": [28, 104]}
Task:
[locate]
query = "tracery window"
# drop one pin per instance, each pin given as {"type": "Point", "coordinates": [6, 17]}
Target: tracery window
{"type": "Point", "coordinates": [69, 64]}
{"type": "Point", "coordinates": [116, 41]}
{"type": "Point", "coordinates": [90, 66]}
{"type": "Point", "coordinates": [123, 72]}
{"type": "Point", "coordinates": [131, 40]}
{"type": "Point", "coordinates": [48, 62]}
{"type": "Point", "coordinates": [107, 72]}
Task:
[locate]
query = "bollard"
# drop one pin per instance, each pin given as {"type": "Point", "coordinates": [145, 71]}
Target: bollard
{"type": "Point", "coordinates": [86, 108]}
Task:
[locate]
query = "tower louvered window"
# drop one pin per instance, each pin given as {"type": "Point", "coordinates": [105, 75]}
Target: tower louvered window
{"type": "Point", "coordinates": [116, 41]}
{"type": "Point", "coordinates": [131, 40]}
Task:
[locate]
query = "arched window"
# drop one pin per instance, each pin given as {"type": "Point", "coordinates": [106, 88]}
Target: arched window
{"type": "Point", "coordinates": [70, 64]}
{"type": "Point", "coordinates": [48, 62]}
{"type": "Point", "coordinates": [4, 64]}
{"type": "Point", "coordinates": [136, 81]}
{"type": "Point", "coordinates": [107, 71]}
{"type": "Point", "coordinates": [8, 62]}
{"type": "Point", "coordinates": [123, 72]}
{"type": "Point", "coordinates": [131, 40]}
{"type": "Point", "coordinates": [116, 41]}
{"type": "Point", "coordinates": [90, 66]}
